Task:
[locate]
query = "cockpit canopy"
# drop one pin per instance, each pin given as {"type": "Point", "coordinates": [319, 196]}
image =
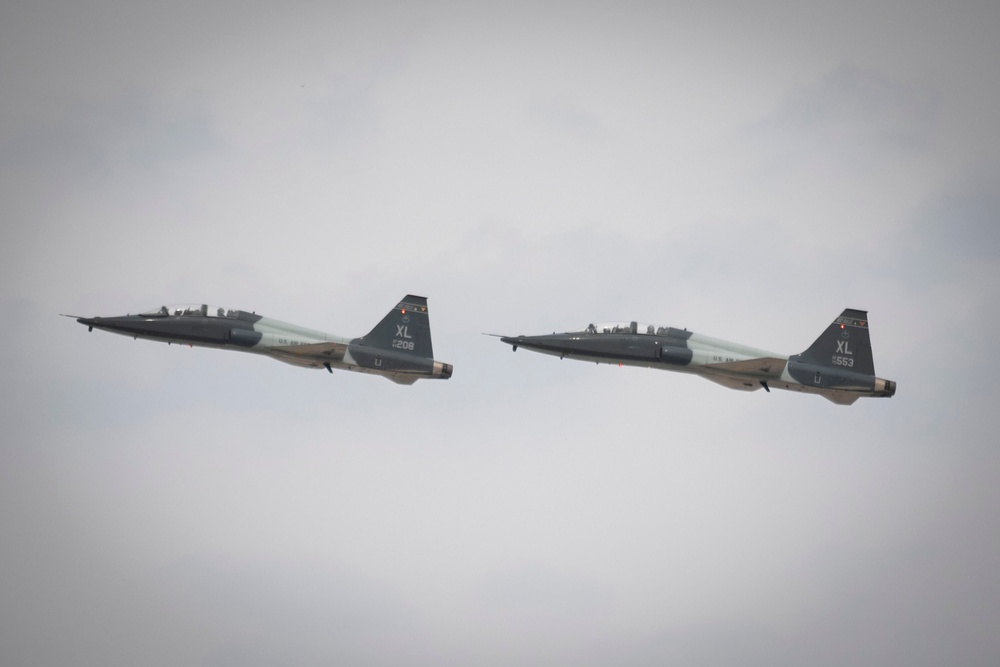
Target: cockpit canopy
{"type": "Point", "coordinates": [201, 310]}
{"type": "Point", "coordinates": [626, 328]}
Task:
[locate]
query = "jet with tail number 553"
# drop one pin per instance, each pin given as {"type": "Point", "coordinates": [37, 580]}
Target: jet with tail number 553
{"type": "Point", "coordinates": [838, 366]}
{"type": "Point", "coordinates": [398, 348]}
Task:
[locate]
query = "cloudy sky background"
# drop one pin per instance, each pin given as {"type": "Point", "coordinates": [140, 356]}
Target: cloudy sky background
{"type": "Point", "coordinates": [743, 170]}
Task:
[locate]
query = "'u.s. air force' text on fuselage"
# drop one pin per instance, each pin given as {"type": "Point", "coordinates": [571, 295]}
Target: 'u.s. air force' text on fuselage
{"type": "Point", "coordinates": [838, 365]}
{"type": "Point", "coordinates": [398, 348]}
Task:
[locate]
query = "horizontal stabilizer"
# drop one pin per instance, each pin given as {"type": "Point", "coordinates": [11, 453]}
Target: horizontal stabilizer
{"type": "Point", "coordinates": [402, 378]}
{"type": "Point", "coordinates": [840, 397]}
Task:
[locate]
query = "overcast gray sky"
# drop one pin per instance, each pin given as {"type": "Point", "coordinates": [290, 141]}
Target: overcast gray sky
{"type": "Point", "coordinates": [745, 170]}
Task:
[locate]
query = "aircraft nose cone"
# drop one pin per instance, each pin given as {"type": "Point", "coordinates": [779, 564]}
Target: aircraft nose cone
{"type": "Point", "coordinates": [513, 341]}
{"type": "Point", "coordinates": [89, 322]}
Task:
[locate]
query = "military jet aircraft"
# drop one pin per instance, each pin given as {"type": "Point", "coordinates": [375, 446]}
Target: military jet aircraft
{"type": "Point", "coordinates": [838, 366]}
{"type": "Point", "coordinates": [399, 347]}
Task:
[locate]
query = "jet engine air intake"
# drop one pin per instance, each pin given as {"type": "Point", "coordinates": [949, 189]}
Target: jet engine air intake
{"type": "Point", "coordinates": [243, 337]}
{"type": "Point", "coordinates": [669, 354]}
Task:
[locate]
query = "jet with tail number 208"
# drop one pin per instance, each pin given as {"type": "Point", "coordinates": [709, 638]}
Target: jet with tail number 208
{"type": "Point", "coordinates": [399, 347]}
{"type": "Point", "coordinates": [838, 366]}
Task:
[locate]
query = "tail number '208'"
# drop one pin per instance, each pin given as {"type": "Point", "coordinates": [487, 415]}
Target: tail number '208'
{"type": "Point", "coordinates": [843, 361]}
{"type": "Point", "coordinates": [401, 344]}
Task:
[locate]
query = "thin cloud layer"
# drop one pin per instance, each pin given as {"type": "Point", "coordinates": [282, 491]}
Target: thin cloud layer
{"type": "Point", "coordinates": [745, 172]}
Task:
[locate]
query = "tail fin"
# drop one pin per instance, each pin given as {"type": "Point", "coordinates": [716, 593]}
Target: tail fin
{"type": "Point", "coordinates": [845, 344]}
{"type": "Point", "coordinates": [406, 329]}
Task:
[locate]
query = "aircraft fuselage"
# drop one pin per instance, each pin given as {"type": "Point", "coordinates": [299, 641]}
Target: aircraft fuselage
{"type": "Point", "coordinates": [838, 366]}
{"type": "Point", "coordinates": [398, 348]}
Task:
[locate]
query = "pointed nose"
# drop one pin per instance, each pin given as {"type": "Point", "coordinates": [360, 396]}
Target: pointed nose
{"type": "Point", "coordinates": [512, 340]}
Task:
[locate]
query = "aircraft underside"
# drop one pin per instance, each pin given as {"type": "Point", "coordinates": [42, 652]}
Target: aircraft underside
{"type": "Point", "coordinates": [837, 366]}
{"type": "Point", "coordinates": [398, 348]}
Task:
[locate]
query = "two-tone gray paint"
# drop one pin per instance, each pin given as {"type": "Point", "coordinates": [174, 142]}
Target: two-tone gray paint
{"type": "Point", "coordinates": [399, 347]}
{"type": "Point", "coordinates": [837, 366]}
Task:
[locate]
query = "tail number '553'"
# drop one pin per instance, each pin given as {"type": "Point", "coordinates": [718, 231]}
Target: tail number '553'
{"type": "Point", "coordinates": [843, 361]}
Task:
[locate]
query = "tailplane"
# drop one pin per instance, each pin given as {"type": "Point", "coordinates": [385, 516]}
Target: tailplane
{"type": "Point", "coordinates": [845, 344]}
{"type": "Point", "coordinates": [406, 329]}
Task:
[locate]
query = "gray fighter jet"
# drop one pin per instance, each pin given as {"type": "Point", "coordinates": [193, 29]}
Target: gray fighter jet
{"type": "Point", "coordinates": [399, 347]}
{"type": "Point", "coordinates": [837, 366]}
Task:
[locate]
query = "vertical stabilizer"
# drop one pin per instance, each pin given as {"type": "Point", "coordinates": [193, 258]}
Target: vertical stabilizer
{"type": "Point", "coordinates": [845, 344]}
{"type": "Point", "coordinates": [406, 328]}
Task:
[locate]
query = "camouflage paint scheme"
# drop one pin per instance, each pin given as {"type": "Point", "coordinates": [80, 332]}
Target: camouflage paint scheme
{"type": "Point", "coordinates": [398, 348]}
{"type": "Point", "coordinates": [838, 366]}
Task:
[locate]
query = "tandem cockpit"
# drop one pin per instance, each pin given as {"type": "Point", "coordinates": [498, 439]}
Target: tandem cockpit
{"type": "Point", "coordinates": [634, 328]}
{"type": "Point", "coordinates": [202, 310]}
